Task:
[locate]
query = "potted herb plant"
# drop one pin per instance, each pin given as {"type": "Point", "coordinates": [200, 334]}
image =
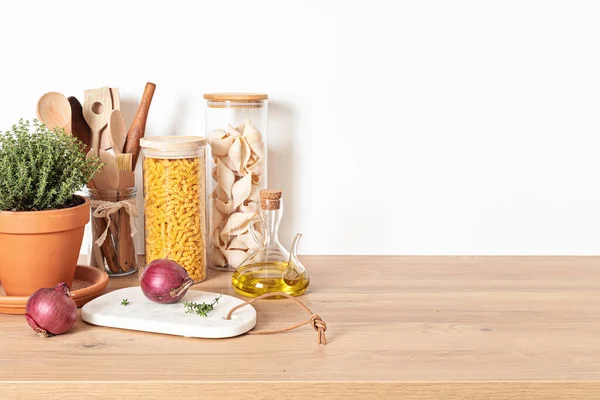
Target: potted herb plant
{"type": "Point", "coordinates": [41, 219]}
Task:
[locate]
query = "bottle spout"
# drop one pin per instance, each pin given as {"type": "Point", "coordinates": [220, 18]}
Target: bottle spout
{"type": "Point", "coordinates": [291, 273]}
{"type": "Point", "coordinates": [294, 249]}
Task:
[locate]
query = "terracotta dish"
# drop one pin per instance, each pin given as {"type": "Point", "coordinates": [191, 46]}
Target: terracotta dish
{"type": "Point", "coordinates": [88, 284]}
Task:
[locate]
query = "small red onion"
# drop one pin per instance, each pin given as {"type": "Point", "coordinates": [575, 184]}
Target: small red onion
{"type": "Point", "coordinates": [51, 311]}
{"type": "Point", "coordinates": [164, 281]}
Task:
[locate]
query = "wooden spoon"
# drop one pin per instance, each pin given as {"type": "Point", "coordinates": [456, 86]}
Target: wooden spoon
{"type": "Point", "coordinates": [80, 128]}
{"type": "Point", "coordinates": [96, 111]}
{"type": "Point", "coordinates": [54, 110]}
{"type": "Point", "coordinates": [117, 130]}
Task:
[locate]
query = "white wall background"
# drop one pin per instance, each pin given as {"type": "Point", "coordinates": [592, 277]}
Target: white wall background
{"type": "Point", "coordinates": [421, 127]}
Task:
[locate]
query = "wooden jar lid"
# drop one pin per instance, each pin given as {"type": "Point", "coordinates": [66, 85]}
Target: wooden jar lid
{"type": "Point", "coordinates": [173, 147]}
{"type": "Point", "coordinates": [236, 96]}
{"type": "Point", "coordinates": [173, 142]}
{"type": "Point", "coordinates": [236, 100]}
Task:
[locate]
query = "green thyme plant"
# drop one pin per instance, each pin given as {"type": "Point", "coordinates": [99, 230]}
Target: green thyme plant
{"type": "Point", "coordinates": [41, 168]}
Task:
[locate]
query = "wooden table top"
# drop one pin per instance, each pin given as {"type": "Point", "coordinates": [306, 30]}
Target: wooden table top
{"type": "Point", "coordinates": [409, 327]}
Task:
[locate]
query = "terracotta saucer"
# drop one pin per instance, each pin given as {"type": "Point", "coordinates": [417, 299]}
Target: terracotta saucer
{"type": "Point", "coordinates": [88, 284]}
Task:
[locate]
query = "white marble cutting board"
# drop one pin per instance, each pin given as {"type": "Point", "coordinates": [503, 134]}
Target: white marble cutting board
{"type": "Point", "coordinates": [144, 315]}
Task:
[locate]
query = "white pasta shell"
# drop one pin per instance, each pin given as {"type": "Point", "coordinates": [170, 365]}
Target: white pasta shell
{"type": "Point", "coordinates": [217, 241]}
{"type": "Point", "coordinates": [220, 142]}
{"type": "Point", "coordinates": [216, 135]}
{"type": "Point", "coordinates": [224, 207]}
{"type": "Point", "coordinates": [251, 132]}
{"type": "Point", "coordinates": [225, 178]}
{"type": "Point", "coordinates": [254, 193]}
{"type": "Point", "coordinates": [237, 223]}
{"type": "Point", "coordinates": [221, 195]}
{"type": "Point", "coordinates": [255, 168]}
{"type": "Point", "coordinates": [216, 257]}
{"type": "Point", "coordinates": [233, 132]}
{"type": "Point", "coordinates": [249, 206]}
{"type": "Point", "coordinates": [254, 138]}
{"type": "Point", "coordinates": [227, 161]}
{"type": "Point", "coordinates": [235, 257]}
{"type": "Point", "coordinates": [257, 148]}
{"type": "Point", "coordinates": [217, 217]}
{"type": "Point", "coordinates": [254, 165]}
{"type": "Point", "coordinates": [235, 155]}
{"type": "Point", "coordinates": [240, 128]}
{"type": "Point", "coordinates": [238, 243]}
{"type": "Point", "coordinates": [239, 154]}
{"type": "Point", "coordinates": [252, 161]}
{"type": "Point", "coordinates": [241, 190]}
{"type": "Point", "coordinates": [246, 153]}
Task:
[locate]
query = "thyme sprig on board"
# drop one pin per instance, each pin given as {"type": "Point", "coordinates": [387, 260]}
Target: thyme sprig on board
{"type": "Point", "coordinates": [202, 309]}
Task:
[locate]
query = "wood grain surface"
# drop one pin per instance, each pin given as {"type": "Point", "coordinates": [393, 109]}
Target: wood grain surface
{"type": "Point", "coordinates": [398, 327]}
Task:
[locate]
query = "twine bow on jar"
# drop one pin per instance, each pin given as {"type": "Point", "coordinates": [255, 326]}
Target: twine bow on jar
{"type": "Point", "coordinates": [104, 209]}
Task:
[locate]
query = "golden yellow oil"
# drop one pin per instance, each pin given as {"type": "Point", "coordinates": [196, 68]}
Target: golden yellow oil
{"type": "Point", "coordinates": [260, 278]}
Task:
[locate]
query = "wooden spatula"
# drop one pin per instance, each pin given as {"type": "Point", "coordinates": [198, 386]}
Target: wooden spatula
{"type": "Point", "coordinates": [118, 131]}
{"type": "Point", "coordinates": [96, 111]}
{"type": "Point", "coordinates": [116, 98]}
{"type": "Point", "coordinates": [105, 139]}
{"type": "Point", "coordinates": [125, 247]}
{"type": "Point", "coordinates": [79, 127]}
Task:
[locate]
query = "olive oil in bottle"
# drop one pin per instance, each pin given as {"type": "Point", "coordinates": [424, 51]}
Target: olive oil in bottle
{"type": "Point", "coordinates": [252, 280]}
{"type": "Point", "coordinates": [271, 268]}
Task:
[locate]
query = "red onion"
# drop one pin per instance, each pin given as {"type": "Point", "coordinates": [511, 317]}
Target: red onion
{"type": "Point", "coordinates": [164, 281]}
{"type": "Point", "coordinates": [51, 311]}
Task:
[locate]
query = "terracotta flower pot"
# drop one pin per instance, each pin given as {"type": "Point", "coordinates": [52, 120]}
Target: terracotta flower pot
{"type": "Point", "coordinates": [39, 249]}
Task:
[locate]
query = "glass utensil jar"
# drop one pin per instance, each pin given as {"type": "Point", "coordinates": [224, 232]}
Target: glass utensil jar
{"type": "Point", "coordinates": [116, 252]}
{"type": "Point", "coordinates": [236, 128]}
{"type": "Point", "coordinates": [174, 201]}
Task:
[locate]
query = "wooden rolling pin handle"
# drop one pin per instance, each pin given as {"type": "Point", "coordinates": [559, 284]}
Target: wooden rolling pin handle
{"type": "Point", "coordinates": [138, 126]}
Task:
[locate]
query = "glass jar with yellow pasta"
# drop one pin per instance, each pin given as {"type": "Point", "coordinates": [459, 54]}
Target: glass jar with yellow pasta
{"type": "Point", "coordinates": [174, 201]}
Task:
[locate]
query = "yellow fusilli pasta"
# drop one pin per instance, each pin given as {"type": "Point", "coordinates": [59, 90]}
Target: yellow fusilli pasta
{"type": "Point", "coordinates": [174, 210]}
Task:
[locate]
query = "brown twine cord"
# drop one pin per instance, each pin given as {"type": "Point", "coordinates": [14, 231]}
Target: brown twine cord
{"type": "Point", "coordinates": [317, 323]}
{"type": "Point", "coordinates": [104, 209]}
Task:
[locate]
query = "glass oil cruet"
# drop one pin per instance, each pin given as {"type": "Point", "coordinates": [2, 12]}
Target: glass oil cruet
{"type": "Point", "coordinates": [271, 268]}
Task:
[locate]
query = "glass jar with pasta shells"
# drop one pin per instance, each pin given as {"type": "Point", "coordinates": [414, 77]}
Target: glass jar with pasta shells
{"type": "Point", "coordinates": [236, 128]}
{"type": "Point", "coordinates": [174, 201]}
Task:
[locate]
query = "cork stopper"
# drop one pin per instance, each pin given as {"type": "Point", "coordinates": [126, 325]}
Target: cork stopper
{"type": "Point", "coordinates": [270, 199]}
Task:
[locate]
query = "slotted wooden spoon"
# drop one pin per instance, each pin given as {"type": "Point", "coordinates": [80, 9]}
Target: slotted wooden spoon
{"type": "Point", "coordinates": [115, 104]}
{"type": "Point", "coordinates": [97, 107]}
